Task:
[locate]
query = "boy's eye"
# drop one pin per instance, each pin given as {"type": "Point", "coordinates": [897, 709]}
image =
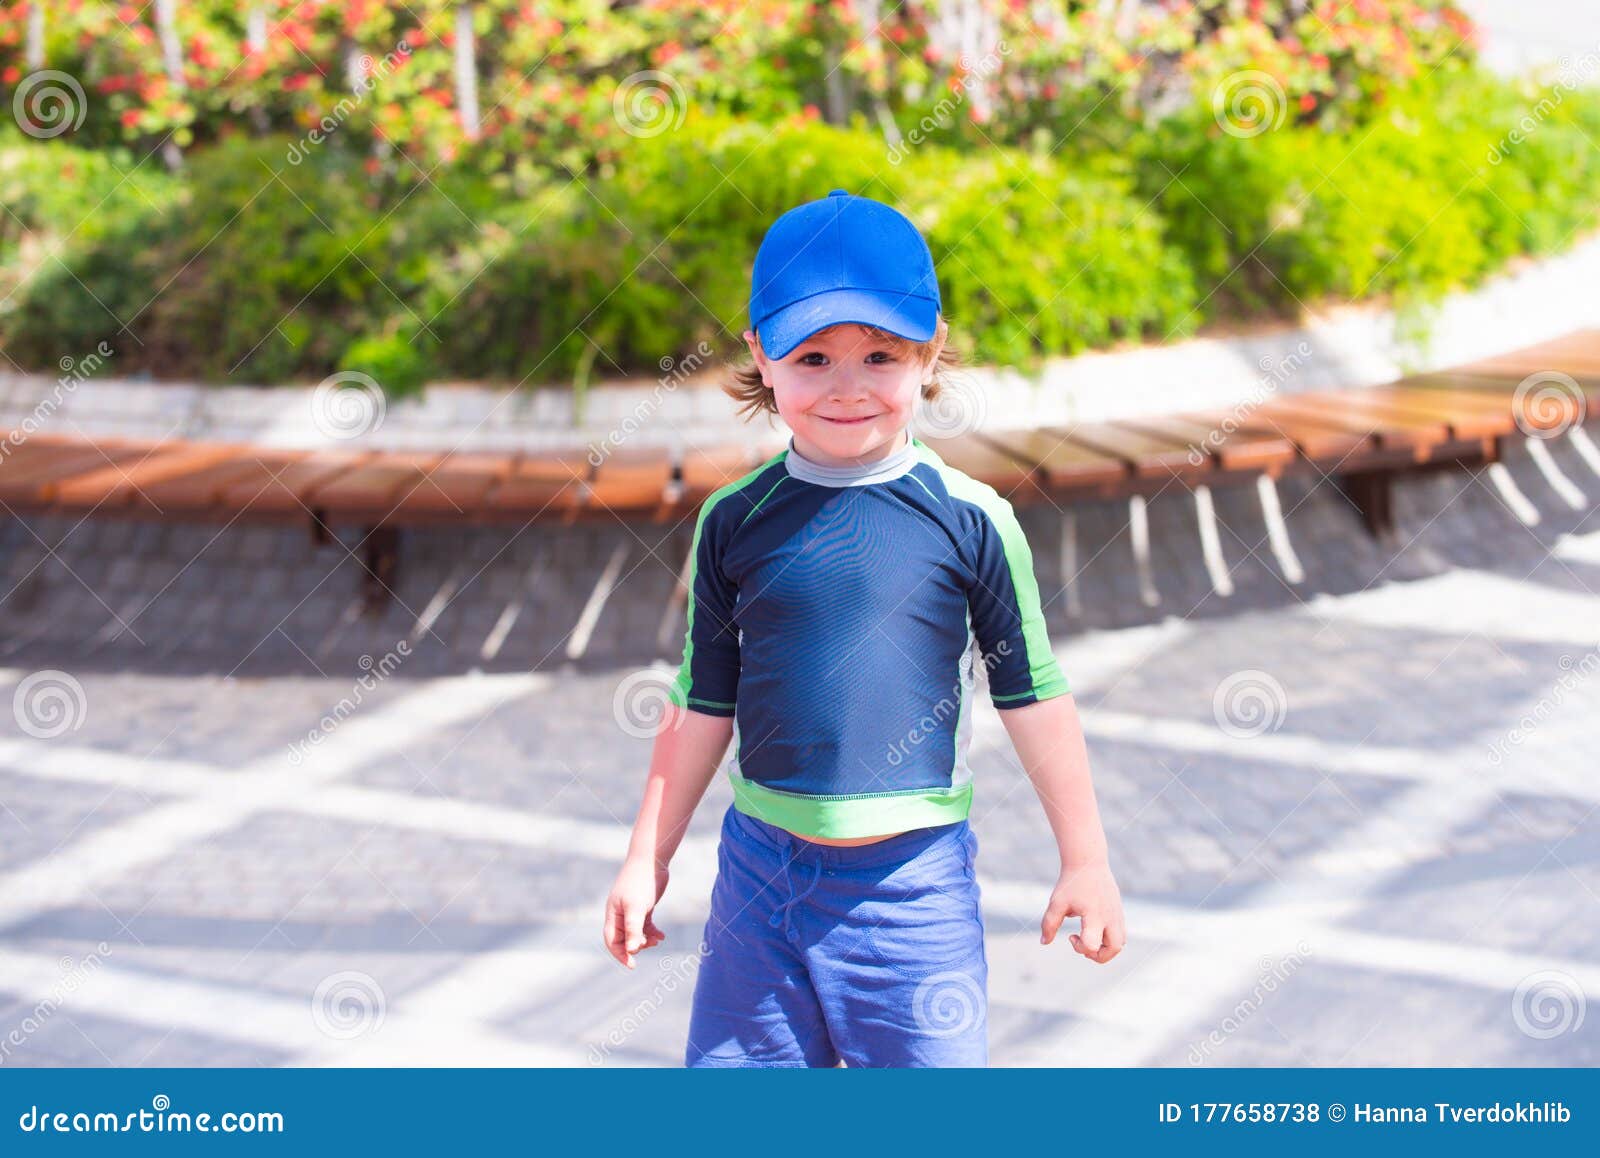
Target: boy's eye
{"type": "Point", "coordinates": [806, 359]}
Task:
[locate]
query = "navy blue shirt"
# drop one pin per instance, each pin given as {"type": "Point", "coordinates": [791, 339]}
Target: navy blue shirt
{"type": "Point", "coordinates": [838, 613]}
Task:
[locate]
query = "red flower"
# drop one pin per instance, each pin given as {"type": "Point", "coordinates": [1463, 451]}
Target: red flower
{"type": "Point", "coordinates": [1308, 102]}
{"type": "Point", "coordinates": [11, 75]}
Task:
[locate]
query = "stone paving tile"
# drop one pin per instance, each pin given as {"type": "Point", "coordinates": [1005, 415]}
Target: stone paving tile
{"type": "Point", "coordinates": [35, 822]}
{"type": "Point", "coordinates": [558, 752]}
{"type": "Point", "coordinates": [1328, 1014]}
{"type": "Point", "coordinates": [1524, 876]}
{"type": "Point", "coordinates": [284, 900]}
{"type": "Point", "coordinates": [1335, 680]}
{"type": "Point", "coordinates": [1183, 827]}
{"type": "Point", "coordinates": [209, 720]}
{"type": "Point", "coordinates": [248, 636]}
{"type": "Point", "coordinates": [69, 1038]}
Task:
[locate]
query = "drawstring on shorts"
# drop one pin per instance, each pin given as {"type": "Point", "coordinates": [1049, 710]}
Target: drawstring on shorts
{"type": "Point", "coordinates": [785, 911]}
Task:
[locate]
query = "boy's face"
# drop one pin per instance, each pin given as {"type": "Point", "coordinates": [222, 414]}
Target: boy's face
{"type": "Point", "coordinates": [845, 394]}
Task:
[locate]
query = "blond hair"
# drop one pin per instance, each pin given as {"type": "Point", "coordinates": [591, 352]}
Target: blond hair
{"type": "Point", "coordinates": [754, 396]}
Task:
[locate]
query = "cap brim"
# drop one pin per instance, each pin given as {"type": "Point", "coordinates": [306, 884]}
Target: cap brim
{"type": "Point", "coordinates": [911, 317]}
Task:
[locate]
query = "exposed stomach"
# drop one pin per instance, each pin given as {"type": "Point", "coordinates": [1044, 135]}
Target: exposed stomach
{"type": "Point", "coordinates": [843, 840]}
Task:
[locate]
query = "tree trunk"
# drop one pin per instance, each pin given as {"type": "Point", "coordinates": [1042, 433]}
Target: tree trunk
{"type": "Point", "coordinates": [466, 72]}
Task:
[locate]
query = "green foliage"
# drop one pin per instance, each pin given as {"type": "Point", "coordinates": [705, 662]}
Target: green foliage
{"type": "Point", "coordinates": [1419, 199]}
{"type": "Point", "coordinates": [254, 267]}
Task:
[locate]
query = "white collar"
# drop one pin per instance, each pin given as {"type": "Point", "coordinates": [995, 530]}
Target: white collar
{"type": "Point", "coordinates": [882, 470]}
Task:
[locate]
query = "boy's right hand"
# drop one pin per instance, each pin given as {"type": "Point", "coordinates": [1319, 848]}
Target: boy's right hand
{"type": "Point", "coordinates": [630, 910]}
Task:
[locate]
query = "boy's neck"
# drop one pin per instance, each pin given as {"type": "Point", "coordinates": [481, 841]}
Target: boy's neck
{"type": "Point", "coordinates": [878, 454]}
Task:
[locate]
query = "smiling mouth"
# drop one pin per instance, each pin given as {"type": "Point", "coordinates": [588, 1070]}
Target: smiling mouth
{"type": "Point", "coordinates": [847, 421]}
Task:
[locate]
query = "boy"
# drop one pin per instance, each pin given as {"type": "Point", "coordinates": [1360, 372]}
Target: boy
{"type": "Point", "coordinates": [840, 597]}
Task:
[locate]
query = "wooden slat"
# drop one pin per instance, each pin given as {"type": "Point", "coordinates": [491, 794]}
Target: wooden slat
{"type": "Point", "coordinates": [27, 474]}
{"type": "Point", "coordinates": [1059, 462]}
{"type": "Point", "coordinates": [1498, 386]}
{"type": "Point", "coordinates": [1231, 438]}
{"type": "Point", "coordinates": [1316, 441]}
{"type": "Point", "coordinates": [118, 484]}
{"type": "Point", "coordinates": [203, 488]}
{"type": "Point", "coordinates": [1147, 454]}
{"type": "Point", "coordinates": [376, 487]}
{"type": "Point", "coordinates": [546, 484]}
{"type": "Point", "coordinates": [984, 462]}
{"type": "Point", "coordinates": [271, 490]}
{"type": "Point", "coordinates": [705, 469]}
{"type": "Point", "coordinates": [1397, 432]}
{"type": "Point", "coordinates": [1575, 354]}
{"type": "Point", "coordinates": [1461, 422]}
{"type": "Point", "coordinates": [632, 480]}
{"type": "Point", "coordinates": [458, 485]}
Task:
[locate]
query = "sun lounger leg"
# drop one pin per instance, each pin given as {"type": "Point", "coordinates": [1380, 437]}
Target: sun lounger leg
{"type": "Point", "coordinates": [1278, 530]}
{"type": "Point", "coordinates": [583, 630]}
{"type": "Point", "coordinates": [1511, 495]}
{"type": "Point", "coordinates": [1139, 527]}
{"type": "Point", "coordinates": [1210, 544]}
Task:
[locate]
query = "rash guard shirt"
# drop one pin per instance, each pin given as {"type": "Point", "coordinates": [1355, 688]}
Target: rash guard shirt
{"type": "Point", "coordinates": [837, 613]}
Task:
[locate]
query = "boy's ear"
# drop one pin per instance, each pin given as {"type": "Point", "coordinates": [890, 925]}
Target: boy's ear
{"type": "Point", "coordinates": [754, 342]}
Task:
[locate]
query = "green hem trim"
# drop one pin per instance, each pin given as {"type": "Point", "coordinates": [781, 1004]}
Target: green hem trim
{"type": "Point", "coordinates": [864, 814]}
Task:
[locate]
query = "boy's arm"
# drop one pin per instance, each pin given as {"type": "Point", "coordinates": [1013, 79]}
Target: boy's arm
{"type": "Point", "coordinates": [1048, 738]}
{"type": "Point", "coordinates": [688, 748]}
{"type": "Point", "coordinates": [1035, 703]}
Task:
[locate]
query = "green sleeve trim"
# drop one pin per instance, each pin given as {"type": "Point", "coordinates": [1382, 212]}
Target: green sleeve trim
{"type": "Point", "coordinates": [1044, 672]}
{"type": "Point", "coordinates": [862, 814]}
{"type": "Point", "coordinates": [678, 693]}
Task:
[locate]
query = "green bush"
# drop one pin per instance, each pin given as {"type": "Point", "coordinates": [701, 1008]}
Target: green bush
{"type": "Point", "coordinates": [1408, 203]}
{"type": "Point", "coordinates": [248, 268]}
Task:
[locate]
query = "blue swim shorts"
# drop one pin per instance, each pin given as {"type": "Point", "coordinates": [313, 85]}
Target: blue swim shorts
{"type": "Point", "coordinates": [815, 953]}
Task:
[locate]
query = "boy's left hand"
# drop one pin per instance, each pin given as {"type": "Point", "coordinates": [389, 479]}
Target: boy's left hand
{"type": "Point", "coordinates": [1088, 891]}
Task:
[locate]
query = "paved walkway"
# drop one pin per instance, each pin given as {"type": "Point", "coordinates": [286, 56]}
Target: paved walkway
{"type": "Point", "coordinates": [1353, 818]}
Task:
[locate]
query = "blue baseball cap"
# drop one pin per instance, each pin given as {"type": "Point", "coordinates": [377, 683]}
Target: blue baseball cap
{"type": "Point", "coordinates": [842, 258]}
